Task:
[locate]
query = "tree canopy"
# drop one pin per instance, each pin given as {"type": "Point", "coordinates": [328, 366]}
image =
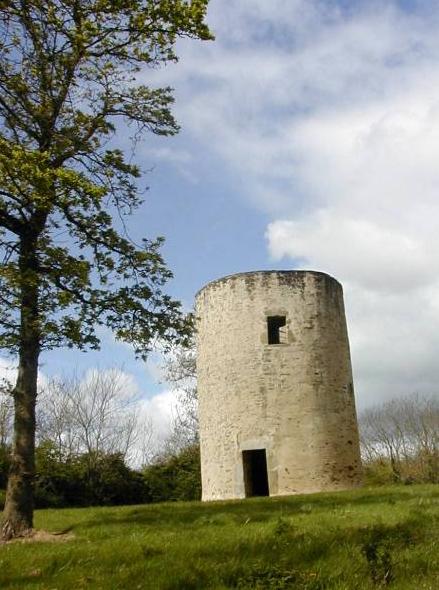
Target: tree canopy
{"type": "Point", "coordinates": [67, 74]}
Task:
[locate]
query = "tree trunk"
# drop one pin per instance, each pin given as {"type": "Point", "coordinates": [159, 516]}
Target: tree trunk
{"type": "Point", "coordinates": [18, 512]}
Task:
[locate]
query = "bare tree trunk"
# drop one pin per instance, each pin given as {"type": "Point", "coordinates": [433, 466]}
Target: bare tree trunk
{"type": "Point", "coordinates": [18, 512]}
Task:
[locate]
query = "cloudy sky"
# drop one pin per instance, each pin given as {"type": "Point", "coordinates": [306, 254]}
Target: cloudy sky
{"type": "Point", "coordinates": [310, 139]}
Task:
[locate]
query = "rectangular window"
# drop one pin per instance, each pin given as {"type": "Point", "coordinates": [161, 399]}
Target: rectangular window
{"type": "Point", "coordinates": [276, 327]}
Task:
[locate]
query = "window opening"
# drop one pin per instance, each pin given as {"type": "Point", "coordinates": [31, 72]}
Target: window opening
{"type": "Point", "coordinates": [255, 473]}
{"type": "Point", "coordinates": [277, 330]}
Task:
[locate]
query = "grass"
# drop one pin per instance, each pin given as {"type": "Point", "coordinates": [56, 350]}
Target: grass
{"type": "Point", "coordinates": [365, 539]}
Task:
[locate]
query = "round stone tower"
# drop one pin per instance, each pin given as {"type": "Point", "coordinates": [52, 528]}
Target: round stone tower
{"type": "Point", "coordinates": [276, 399]}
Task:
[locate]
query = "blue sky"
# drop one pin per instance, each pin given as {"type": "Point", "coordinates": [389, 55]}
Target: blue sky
{"type": "Point", "coordinates": [310, 139]}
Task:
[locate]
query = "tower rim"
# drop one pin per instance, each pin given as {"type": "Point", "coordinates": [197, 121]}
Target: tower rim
{"type": "Point", "coordinates": [299, 272]}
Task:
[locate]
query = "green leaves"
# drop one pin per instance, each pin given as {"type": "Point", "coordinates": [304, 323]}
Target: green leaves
{"type": "Point", "coordinates": [67, 76]}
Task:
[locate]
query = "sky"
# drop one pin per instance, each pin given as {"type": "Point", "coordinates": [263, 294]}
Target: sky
{"type": "Point", "coordinates": [310, 140]}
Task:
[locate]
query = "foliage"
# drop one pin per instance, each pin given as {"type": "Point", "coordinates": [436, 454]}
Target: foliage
{"type": "Point", "coordinates": [6, 413]}
{"type": "Point", "coordinates": [239, 544]}
{"type": "Point", "coordinates": [53, 477]}
{"type": "Point", "coordinates": [103, 479]}
{"type": "Point", "coordinates": [399, 440]}
{"type": "Point", "coordinates": [100, 480]}
{"type": "Point", "coordinates": [67, 76]}
{"type": "Point", "coordinates": [378, 472]}
{"type": "Point", "coordinates": [177, 477]}
{"type": "Point", "coordinates": [181, 373]}
{"type": "Point", "coordinates": [4, 464]}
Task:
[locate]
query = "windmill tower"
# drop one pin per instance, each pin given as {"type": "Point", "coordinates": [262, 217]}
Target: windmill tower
{"type": "Point", "coordinates": [276, 398]}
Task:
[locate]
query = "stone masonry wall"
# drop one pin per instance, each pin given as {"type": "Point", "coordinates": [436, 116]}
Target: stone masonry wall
{"type": "Point", "coordinates": [294, 399]}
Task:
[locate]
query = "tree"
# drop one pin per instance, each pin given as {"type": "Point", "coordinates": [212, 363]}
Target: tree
{"type": "Point", "coordinates": [174, 478]}
{"type": "Point", "coordinates": [175, 473]}
{"type": "Point", "coordinates": [88, 433]}
{"type": "Point", "coordinates": [75, 481]}
{"type": "Point", "coordinates": [6, 412]}
{"type": "Point", "coordinates": [181, 373]}
{"type": "Point", "coordinates": [67, 79]}
{"type": "Point", "coordinates": [403, 432]}
{"type": "Point", "coordinates": [93, 414]}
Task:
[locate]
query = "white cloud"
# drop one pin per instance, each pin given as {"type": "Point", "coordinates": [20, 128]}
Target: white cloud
{"type": "Point", "coordinates": [8, 370]}
{"type": "Point", "coordinates": [394, 342]}
{"type": "Point", "coordinates": [181, 159]}
{"type": "Point", "coordinates": [159, 409]}
{"type": "Point", "coordinates": [374, 256]}
{"type": "Point", "coordinates": [332, 119]}
{"type": "Point", "coordinates": [155, 366]}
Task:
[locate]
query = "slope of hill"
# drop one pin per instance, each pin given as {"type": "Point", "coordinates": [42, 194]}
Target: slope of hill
{"type": "Point", "coordinates": [366, 539]}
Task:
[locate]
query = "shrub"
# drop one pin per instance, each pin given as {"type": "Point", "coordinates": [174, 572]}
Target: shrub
{"type": "Point", "coordinates": [88, 479]}
{"type": "Point", "coordinates": [104, 479]}
{"type": "Point", "coordinates": [4, 465]}
{"type": "Point", "coordinates": [109, 481]}
{"type": "Point", "coordinates": [175, 478]}
{"type": "Point", "coordinates": [377, 473]}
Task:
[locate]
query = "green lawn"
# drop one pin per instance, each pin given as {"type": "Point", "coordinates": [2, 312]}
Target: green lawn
{"type": "Point", "coordinates": [369, 538]}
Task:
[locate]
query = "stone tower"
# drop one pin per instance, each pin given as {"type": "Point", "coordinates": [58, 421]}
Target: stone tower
{"type": "Point", "coordinates": [276, 399]}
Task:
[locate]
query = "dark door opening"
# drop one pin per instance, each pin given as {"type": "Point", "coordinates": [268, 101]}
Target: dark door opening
{"type": "Point", "coordinates": [255, 473]}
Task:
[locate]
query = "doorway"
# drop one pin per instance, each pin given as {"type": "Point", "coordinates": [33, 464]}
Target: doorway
{"type": "Point", "coordinates": [255, 473]}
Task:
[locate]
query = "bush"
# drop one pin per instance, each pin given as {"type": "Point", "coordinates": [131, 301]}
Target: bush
{"type": "Point", "coordinates": [175, 478]}
{"type": "Point", "coordinates": [86, 480]}
{"type": "Point", "coordinates": [51, 478]}
{"type": "Point", "coordinates": [377, 473]}
{"type": "Point", "coordinates": [4, 465]}
{"type": "Point", "coordinates": [422, 467]}
{"type": "Point", "coordinates": [99, 479]}
{"type": "Point", "coordinates": [109, 481]}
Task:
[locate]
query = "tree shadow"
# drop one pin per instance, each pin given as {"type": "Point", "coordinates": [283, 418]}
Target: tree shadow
{"type": "Point", "coordinates": [164, 515]}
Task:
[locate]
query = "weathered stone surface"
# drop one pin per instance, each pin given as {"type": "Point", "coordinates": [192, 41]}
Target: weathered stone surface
{"type": "Point", "coordinates": [294, 399]}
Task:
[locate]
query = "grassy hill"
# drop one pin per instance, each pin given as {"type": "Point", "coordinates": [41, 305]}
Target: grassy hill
{"type": "Point", "coordinates": [366, 539]}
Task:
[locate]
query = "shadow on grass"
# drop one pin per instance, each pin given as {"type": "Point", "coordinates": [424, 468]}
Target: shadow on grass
{"type": "Point", "coordinates": [283, 556]}
{"type": "Point", "coordinates": [232, 564]}
{"type": "Point", "coordinates": [286, 558]}
{"type": "Point", "coordinates": [255, 510]}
